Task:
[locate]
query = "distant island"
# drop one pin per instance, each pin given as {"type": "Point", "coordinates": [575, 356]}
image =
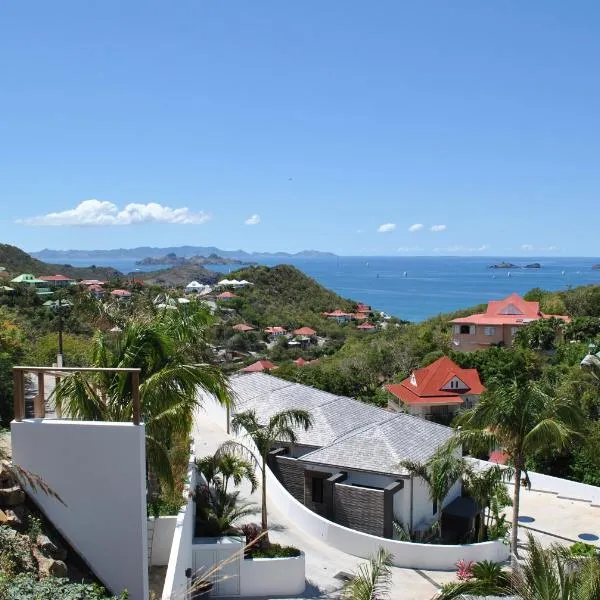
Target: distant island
{"type": "Point", "coordinates": [508, 265]}
{"type": "Point", "coordinates": [176, 261]}
{"type": "Point", "coordinates": [596, 267]}
{"type": "Point", "coordinates": [142, 252]}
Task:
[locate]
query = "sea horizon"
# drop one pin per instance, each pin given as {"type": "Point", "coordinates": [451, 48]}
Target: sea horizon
{"type": "Point", "coordinates": [415, 288]}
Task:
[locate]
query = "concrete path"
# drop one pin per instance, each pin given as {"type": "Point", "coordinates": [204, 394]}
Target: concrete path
{"type": "Point", "coordinates": [323, 563]}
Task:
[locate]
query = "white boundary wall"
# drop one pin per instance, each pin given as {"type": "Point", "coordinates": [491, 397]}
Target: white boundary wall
{"type": "Point", "coordinates": [405, 554]}
{"type": "Point", "coordinates": [180, 557]}
{"type": "Point", "coordinates": [99, 471]}
{"type": "Point", "coordinates": [273, 576]}
{"type": "Point", "coordinates": [563, 488]}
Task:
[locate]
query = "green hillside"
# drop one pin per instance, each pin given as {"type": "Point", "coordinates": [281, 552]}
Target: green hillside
{"type": "Point", "coordinates": [16, 261]}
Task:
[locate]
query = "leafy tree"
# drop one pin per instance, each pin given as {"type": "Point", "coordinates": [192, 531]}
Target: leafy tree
{"type": "Point", "coordinates": [540, 334]}
{"type": "Point", "coordinates": [372, 580]}
{"type": "Point", "coordinates": [12, 352]}
{"type": "Point", "coordinates": [221, 468]}
{"type": "Point", "coordinates": [279, 428]}
{"type": "Point", "coordinates": [521, 419]}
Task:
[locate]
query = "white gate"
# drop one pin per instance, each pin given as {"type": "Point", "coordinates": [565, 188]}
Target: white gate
{"type": "Point", "coordinates": [219, 561]}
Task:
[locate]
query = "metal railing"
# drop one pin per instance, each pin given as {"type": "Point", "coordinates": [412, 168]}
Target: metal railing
{"type": "Point", "coordinates": [39, 405]}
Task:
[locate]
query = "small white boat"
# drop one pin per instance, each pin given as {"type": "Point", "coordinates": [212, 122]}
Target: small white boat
{"type": "Point", "coordinates": [563, 272]}
{"type": "Point", "coordinates": [405, 274]}
{"type": "Point", "coordinates": [508, 274]}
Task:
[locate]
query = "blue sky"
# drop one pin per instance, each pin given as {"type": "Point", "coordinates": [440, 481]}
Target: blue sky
{"type": "Point", "coordinates": [319, 123]}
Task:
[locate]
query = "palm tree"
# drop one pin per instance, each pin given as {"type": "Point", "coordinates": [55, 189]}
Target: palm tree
{"type": "Point", "coordinates": [278, 429]}
{"type": "Point", "coordinates": [555, 574]}
{"type": "Point", "coordinates": [169, 381]}
{"type": "Point", "coordinates": [521, 419]}
{"type": "Point", "coordinates": [221, 468]}
{"type": "Point", "coordinates": [486, 486]}
{"type": "Point", "coordinates": [372, 580]}
{"type": "Point", "coordinates": [441, 471]}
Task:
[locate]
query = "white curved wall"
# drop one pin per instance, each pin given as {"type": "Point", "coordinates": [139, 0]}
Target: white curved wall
{"type": "Point", "coordinates": [405, 554]}
{"type": "Point", "coordinates": [273, 576]}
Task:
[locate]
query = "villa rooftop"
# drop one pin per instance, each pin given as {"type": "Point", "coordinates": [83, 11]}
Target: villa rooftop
{"type": "Point", "coordinates": [347, 433]}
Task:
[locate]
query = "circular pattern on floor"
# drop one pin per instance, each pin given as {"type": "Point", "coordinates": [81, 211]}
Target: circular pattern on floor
{"type": "Point", "coordinates": [588, 537]}
{"type": "Point", "coordinates": [526, 519]}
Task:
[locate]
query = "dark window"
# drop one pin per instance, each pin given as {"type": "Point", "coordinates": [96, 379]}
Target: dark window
{"type": "Point", "coordinates": [465, 329]}
{"type": "Point", "coordinates": [317, 489]}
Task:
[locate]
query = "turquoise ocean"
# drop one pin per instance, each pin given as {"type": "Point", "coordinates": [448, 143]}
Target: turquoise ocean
{"type": "Point", "coordinates": [415, 288]}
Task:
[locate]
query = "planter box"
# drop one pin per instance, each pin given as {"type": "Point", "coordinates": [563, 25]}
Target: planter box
{"type": "Point", "coordinates": [273, 576]}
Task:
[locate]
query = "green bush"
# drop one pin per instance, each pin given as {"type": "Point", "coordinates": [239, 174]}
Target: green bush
{"type": "Point", "coordinates": [583, 549]}
{"type": "Point", "coordinates": [274, 551]}
{"type": "Point", "coordinates": [26, 587]}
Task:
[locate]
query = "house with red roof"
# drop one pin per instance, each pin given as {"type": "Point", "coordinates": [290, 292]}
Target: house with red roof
{"type": "Point", "coordinates": [305, 331]}
{"type": "Point", "coordinates": [275, 331]}
{"type": "Point", "coordinates": [96, 290]}
{"type": "Point", "coordinates": [498, 325]}
{"type": "Point", "coordinates": [242, 328]}
{"type": "Point", "coordinates": [436, 391]}
{"type": "Point", "coordinates": [121, 295]}
{"type": "Point", "coordinates": [339, 315]}
{"type": "Point", "coordinates": [366, 326]}
{"type": "Point", "coordinates": [363, 308]}
{"type": "Point", "coordinates": [56, 280]}
{"type": "Point", "coordinates": [226, 296]}
{"type": "Point", "coordinates": [258, 366]}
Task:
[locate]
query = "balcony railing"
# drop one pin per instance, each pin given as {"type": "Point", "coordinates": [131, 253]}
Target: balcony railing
{"type": "Point", "coordinates": [39, 405]}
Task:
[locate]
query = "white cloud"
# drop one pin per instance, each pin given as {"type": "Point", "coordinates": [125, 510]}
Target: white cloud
{"type": "Point", "coordinates": [462, 249]}
{"type": "Point", "coordinates": [387, 227]}
{"type": "Point", "coordinates": [102, 212]}
{"type": "Point", "coordinates": [416, 227]}
{"type": "Point", "coordinates": [550, 249]}
{"type": "Point", "coordinates": [359, 231]}
{"type": "Point", "coordinates": [438, 228]}
{"type": "Point", "coordinates": [253, 220]}
{"type": "Point", "coordinates": [409, 249]}
{"type": "Point", "coordinates": [526, 247]}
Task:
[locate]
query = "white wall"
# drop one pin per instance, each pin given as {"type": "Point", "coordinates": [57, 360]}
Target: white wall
{"type": "Point", "coordinates": [162, 539]}
{"type": "Point", "coordinates": [273, 576]}
{"type": "Point", "coordinates": [99, 471]}
{"type": "Point", "coordinates": [405, 554]}
{"type": "Point", "coordinates": [180, 557]}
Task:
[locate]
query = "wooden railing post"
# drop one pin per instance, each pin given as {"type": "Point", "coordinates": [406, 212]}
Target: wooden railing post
{"type": "Point", "coordinates": [39, 410]}
{"type": "Point", "coordinates": [135, 396]}
{"type": "Point", "coordinates": [19, 398]}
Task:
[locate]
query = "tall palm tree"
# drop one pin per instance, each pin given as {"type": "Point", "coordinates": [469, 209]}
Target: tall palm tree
{"type": "Point", "coordinates": [280, 428]}
{"type": "Point", "coordinates": [441, 471]}
{"type": "Point", "coordinates": [372, 580]}
{"type": "Point", "coordinates": [169, 381]}
{"type": "Point", "coordinates": [521, 419]}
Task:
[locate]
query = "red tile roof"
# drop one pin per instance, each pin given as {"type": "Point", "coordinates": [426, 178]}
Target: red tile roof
{"type": "Point", "coordinates": [242, 327]}
{"type": "Point", "coordinates": [363, 308]}
{"type": "Point", "coordinates": [121, 293]}
{"type": "Point", "coordinates": [512, 310]}
{"type": "Point", "coordinates": [276, 329]}
{"type": "Point", "coordinates": [359, 316]}
{"type": "Point", "coordinates": [305, 331]}
{"type": "Point", "coordinates": [337, 313]}
{"type": "Point", "coordinates": [426, 386]}
{"type": "Point", "coordinates": [91, 282]}
{"type": "Point", "coordinates": [259, 365]}
{"type": "Point", "coordinates": [499, 457]}
{"type": "Point", "coordinates": [300, 361]}
{"type": "Point", "coordinates": [225, 295]}
{"type": "Point", "coordinates": [95, 288]}
{"type": "Point", "coordinates": [55, 278]}
{"type": "Point", "coordinates": [365, 326]}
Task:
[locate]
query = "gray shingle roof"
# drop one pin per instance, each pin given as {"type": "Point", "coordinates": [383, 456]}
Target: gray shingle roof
{"type": "Point", "coordinates": [348, 433]}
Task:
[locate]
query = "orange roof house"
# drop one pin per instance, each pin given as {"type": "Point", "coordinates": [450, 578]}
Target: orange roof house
{"type": "Point", "coordinates": [121, 294]}
{"type": "Point", "coordinates": [56, 280]}
{"type": "Point", "coordinates": [366, 327]}
{"type": "Point", "coordinates": [226, 296]}
{"type": "Point", "coordinates": [437, 390]}
{"type": "Point", "coordinates": [259, 365]}
{"type": "Point", "coordinates": [242, 328]}
{"type": "Point", "coordinates": [498, 324]}
{"type": "Point", "coordinates": [363, 308]}
{"type": "Point", "coordinates": [275, 330]}
{"type": "Point", "coordinates": [300, 362]}
{"type": "Point", "coordinates": [305, 331]}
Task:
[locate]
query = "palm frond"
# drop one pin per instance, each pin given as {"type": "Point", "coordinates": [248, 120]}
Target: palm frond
{"type": "Point", "coordinates": [372, 580]}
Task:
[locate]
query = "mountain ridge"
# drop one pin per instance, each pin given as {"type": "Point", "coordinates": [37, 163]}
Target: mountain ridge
{"type": "Point", "coordinates": [142, 252]}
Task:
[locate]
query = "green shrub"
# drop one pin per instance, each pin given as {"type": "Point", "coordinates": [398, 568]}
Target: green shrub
{"type": "Point", "coordinates": [26, 587]}
{"type": "Point", "coordinates": [274, 551]}
{"type": "Point", "coordinates": [583, 549]}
